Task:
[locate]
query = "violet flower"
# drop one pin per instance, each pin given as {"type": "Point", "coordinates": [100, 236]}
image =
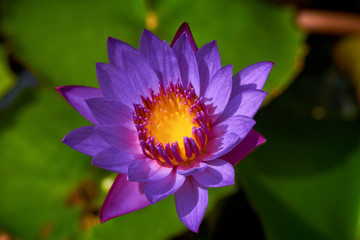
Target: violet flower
{"type": "Point", "coordinates": [169, 119]}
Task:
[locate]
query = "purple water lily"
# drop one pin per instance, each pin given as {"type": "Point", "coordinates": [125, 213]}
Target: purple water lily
{"type": "Point", "coordinates": [169, 119]}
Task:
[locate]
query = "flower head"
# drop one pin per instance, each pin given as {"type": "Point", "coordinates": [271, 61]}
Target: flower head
{"type": "Point", "coordinates": [169, 119]}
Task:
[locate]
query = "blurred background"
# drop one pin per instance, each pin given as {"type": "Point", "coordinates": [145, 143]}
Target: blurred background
{"type": "Point", "coordinates": [303, 183]}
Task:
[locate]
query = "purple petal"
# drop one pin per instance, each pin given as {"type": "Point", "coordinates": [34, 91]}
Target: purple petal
{"type": "Point", "coordinates": [122, 138]}
{"type": "Point", "coordinates": [145, 170]}
{"type": "Point", "coordinates": [114, 83]}
{"type": "Point", "coordinates": [252, 140]}
{"type": "Point", "coordinates": [111, 159]}
{"type": "Point", "coordinates": [76, 96]}
{"type": "Point", "coordinates": [251, 77]}
{"type": "Point", "coordinates": [115, 50]}
{"type": "Point", "coordinates": [209, 62]}
{"type": "Point", "coordinates": [187, 62]}
{"type": "Point", "coordinates": [219, 173]}
{"type": "Point", "coordinates": [170, 70]}
{"type": "Point", "coordinates": [123, 197]}
{"type": "Point", "coordinates": [219, 146]}
{"type": "Point", "coordinates": [150, 48]}
{"type": "Point", "coordinates": [246, 103]}
{"type": "Point", "coordinates": [226, 135]}
{"type": "Point", "coordinates": [191, 201]}
{"type": "Point", "coordinates": [191, 169]}
{"type": "Point", "coordinates": [184, 28]}
{"type": "Point", "coordinates": [110, 111]}
{"type": "Point", "coordinates": [127, 84]}
{"type": "Point", "coordinates": [159, 190]}
{"type": "Point", "coordinates": [239, 124]}
{"type": "Point", "coordinates": [85, 140]}
{"type": "Point", "coordinates": [217, 94]}
{"type": "Point", "coordinates": [141, 76]}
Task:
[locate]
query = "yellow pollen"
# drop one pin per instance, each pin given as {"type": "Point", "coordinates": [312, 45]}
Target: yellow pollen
{"type": "Point", "coordinates": [170, 125]}
{"type": "Point", "coordinates": [173, 125]}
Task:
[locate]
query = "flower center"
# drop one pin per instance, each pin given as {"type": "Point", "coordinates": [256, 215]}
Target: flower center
{"type": "Point", "coordinates": [173, 125]}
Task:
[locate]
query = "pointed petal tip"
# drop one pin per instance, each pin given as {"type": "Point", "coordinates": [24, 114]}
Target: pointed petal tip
{"type": "Point", "coordinates": [194, 229]}
{"type": "Point", "coordinates": [75, 95]}
{"type": "Point", "coordinates": [103, 216]}
{"type": "Point", "coordinates": [62, 89]}
{"type": "Point", "coordinates": [65, 139]}
{"type": "Point", "coordinates": [265, 65]}
{"type": "Point", "coordinates": [146, 31]}
{"type": "Point", "coordinates": [228, 68]}
{"type": "Point", "coordinates": [212, 43]}
{"type": "Point", "coordinates": [185, 28]}
{"type": "Point", "coordinates": [261, 140]}
{"type": "Point", "coordinates": [150, 35]}
{"type": "Point", "coordinates": [110, 38]}
{"type": "Point", "coordinates": [185, 24]}
{"type": "Point", "coordinates": [271, 63]}
{"type": "Point", "coordinates": [103, 219]}
{"type": "Point", "coordinates": [59, 89]}
{"type": "Point", "coordinates": [111, 41]}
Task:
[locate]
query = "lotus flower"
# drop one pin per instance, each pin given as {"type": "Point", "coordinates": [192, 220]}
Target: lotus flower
{"type": "Point", "coordinates": [169, 119]}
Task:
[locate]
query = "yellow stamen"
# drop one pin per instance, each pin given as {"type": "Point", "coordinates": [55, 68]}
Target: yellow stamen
{"type": "Point", "coordinates": [171, 125]}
